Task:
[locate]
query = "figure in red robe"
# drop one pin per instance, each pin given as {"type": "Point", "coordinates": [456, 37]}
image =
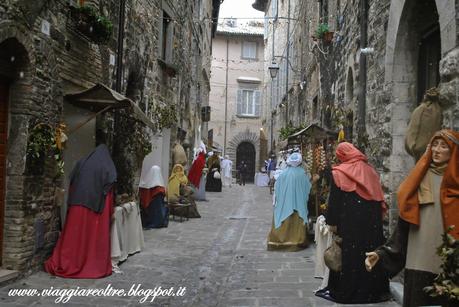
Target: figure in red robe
{"type": "Point", "coordinates": [195, 173]}
{"type": "Point", "coordinates": [83, 248]}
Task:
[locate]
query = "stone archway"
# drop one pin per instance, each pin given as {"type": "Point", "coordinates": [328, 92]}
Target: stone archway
{"type": "Point", "coordinates": [15, 79]}
{"type": "Point", "coordinates": [409, 21]}
{"type": "Point", "coordinates": [27, 66]}
{"type": "Point", "coordinates": [246, 136]}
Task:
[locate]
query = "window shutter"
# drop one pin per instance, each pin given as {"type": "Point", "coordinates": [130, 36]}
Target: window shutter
{"type": "Point", "coordinates": [274, 8]}
{"type": "Point", "coordinates": [257, 98]}
{"type": "Point", "coordinates": [239, 102]}
{"type": "Point", "coordinates": [266, 29]}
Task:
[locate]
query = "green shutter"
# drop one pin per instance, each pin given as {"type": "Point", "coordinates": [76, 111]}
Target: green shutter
{"type": "Point", "coordinates": [239, 102]}
{"type": "Point", "coordinates": [257, 99]}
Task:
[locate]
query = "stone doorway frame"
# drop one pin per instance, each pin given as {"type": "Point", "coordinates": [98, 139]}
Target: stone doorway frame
{"type": "Point", "coordinates": [246, 136]}
{"type": "Point", "coordinates": [401, 77]}
{"type": "Point", "coordinates": [18, 121]}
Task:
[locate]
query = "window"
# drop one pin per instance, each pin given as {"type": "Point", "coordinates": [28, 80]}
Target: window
{"type": "Point", "coordinates": [266, 29]}
{"type": "Point", "coordinates": [274, 8]}
{"type": "Point", "coordinates": [249, 50]}
{"type": "Point", "coordinates": [248, 102]}
{"type": "Point", "coordinates": [167, 34]}
{"type": "Point", "coordinates": [323, 11]}
{"type": "Point", "coordinates": [315, 109]}
{"type": "Point", "coordinates": [428, 61]}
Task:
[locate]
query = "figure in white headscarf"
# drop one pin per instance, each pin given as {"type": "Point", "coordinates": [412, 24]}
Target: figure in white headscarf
{"type": "Point", "coordinates": [227, 167]}
{"type": "Point", "coordinates": [291, 194]}
{"type": "Point", "coordinates": [154, 211]}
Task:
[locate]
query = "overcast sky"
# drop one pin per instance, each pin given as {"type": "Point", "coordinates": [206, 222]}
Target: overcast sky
{"type": "Point", "coordinates": [239, 9]}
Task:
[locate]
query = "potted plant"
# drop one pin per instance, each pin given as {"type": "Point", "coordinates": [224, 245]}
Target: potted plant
{"type": "Point", "coordinates": [96, 27]}
{"type": "Point", "coordinates": [323, 33]}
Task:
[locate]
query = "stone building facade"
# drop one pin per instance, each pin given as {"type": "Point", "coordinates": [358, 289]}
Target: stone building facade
{"type": "Point", "coordinates": [161, 49]}
{"type": "Point", "coordinates": [408, 47]}
{"type": "Point", "coordinates": [237, 91]}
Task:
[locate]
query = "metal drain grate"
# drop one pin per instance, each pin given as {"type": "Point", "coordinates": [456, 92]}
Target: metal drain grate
{"type": "Point", "coordinates": [237, 217]}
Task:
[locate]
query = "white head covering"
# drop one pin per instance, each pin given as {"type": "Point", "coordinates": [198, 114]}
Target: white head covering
{"type": "Point", "coordinates": [202, 147]}
{"type": "Point", "coordinates": [226, 157]}
{"type": "Point", "coordinates": [210, 153]}
{"type": "Point", "coordinates": [294, 159]}
{"type": "Point", "coordinates": [151, 178]}
{"type": "Point", "coordinates": [197, 151]}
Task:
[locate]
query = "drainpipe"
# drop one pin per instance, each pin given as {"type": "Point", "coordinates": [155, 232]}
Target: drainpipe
{"type": "Point", "coordinates": [272, 119]}
{"type": "Point", "coordinates": [272, 88]}
{"type": "Point", "coordinates": [286, 64]}
{"type": "Point", "coordinates": [362, 70]}
{"type": "Point", "coordinates": [119, 63]}
{"type": "Point", "coordinates": [119, 67]}
{"type": "Point", "coordinates": [226, 95]}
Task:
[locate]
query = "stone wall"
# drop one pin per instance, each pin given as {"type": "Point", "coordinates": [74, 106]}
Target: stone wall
{"type": "Point", "coordinates": [332, 75]}
{"type": "Point", "coordinates": [44, 67]}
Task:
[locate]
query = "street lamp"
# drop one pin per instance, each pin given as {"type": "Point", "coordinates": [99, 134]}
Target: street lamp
{"type": "Point", "coordinates": [273, 69]}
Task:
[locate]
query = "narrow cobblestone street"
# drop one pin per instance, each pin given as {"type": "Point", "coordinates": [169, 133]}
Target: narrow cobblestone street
{"type": "Point", "coordinates": [221, 259]}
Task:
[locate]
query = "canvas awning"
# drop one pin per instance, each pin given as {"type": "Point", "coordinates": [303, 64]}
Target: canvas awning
{"type": "Point", "coordinates": [101, 98]}
{"type": "Point", "coordinates": [314, 131]}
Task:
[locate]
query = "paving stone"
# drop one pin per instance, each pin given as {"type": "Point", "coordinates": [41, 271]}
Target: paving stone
{"type": "Point", "coordinates": [220, 261]}
{"type": "Point", "coordinates": [286, 301]}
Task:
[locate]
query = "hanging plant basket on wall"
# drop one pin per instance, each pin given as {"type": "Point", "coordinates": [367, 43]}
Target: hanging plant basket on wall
{"type": "Point", "coordinates": [168, 68]}
{"type": "Point", "coordinates": [328, 37]}
{"type": "Point", "coordinates": [323, 33]}
{"type": "Point", "coordinates": [92, 25]}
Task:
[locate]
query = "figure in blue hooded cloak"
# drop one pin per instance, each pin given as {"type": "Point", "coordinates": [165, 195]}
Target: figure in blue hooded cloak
{"type": "Point", "coordinates": [289, 229]}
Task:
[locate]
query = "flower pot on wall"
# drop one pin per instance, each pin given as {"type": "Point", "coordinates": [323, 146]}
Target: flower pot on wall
{"type": "Point", "coordinates": [95, 27]}
{"type": "Point", "coordinates": [328, 37]}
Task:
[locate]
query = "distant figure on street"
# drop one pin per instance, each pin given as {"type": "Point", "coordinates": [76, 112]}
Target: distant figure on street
{"type": "Point", "coordinates": [214, 181]}
{"type": "Point", "coordinates": [291, 194]}
{"type": "Point", "coordinates": [271, 164]}
{"type": "Point", "coordinates": [227, 167]}
{"type": "Point", "coordinates": [242, 172]}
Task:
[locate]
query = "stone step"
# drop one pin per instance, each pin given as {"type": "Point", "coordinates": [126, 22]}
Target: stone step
{"type": "Point", "coordinates": [6, 275]}
{"type": "Point", "coordinates": [396, 289]}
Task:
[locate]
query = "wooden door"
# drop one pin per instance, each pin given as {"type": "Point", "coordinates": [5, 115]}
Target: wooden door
{"type": "Point", "coordinates": [246, 152]}
{"type": "Point", "coordinates": [429, 61]}
{"type": "Point", "coordinates": [3, 152]}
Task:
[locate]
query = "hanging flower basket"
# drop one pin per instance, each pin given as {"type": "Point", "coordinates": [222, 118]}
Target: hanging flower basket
{"type": "Point", "coordinates": [92, 25]}
{"type": "Point", "coordinates": [323, 33]}
{"type": "Point", "coordinates": [328, 37]}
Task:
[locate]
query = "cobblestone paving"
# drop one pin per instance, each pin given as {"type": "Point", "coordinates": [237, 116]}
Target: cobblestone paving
{"type": "Point", "coordinates": [221, 259]}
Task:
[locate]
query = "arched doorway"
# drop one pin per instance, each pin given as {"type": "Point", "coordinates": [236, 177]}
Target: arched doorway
{"type": "Point", "coordinates": [411, 68]}
{"type": "Point", "coordinates": [246, 152]}
{"type": "Point", "coordinates": [13, 78]}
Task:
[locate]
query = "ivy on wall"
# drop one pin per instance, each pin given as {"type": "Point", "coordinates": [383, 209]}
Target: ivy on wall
{"type": "Point", "coordinates": [285, 132]}
{"type": "Point", "coordinates": [45, 141]}
{"type": "Point", "coordinates": [132, 144]}
{"type": "Point", "coordinates": [164, 116]}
